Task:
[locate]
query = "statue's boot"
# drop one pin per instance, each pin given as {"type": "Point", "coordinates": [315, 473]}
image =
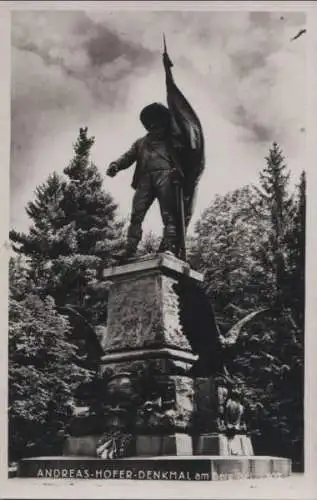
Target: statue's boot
{"type": "Point", "coordinates": [169, 241]}
{"type": "Point", "coordinates": [134, 236]}
{"type": "Point", "coordinates": [127, 253]}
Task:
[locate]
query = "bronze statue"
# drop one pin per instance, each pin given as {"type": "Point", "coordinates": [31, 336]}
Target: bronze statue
{"type": "Point", "coordinates": [169, 162]}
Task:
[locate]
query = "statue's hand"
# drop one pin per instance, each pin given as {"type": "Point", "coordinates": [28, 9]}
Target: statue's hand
{"type": "Point", "coordinates": [112, 170]}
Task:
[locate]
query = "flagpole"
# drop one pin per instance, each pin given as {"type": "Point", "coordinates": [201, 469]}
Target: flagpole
{"type": "Point", "coordinates": [182, 224]}
{"type": "Point", "coordinates": [181, 246]}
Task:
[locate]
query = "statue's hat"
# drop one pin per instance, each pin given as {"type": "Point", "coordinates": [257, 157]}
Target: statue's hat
{"type": "Point", "coordinates": [156, 112]}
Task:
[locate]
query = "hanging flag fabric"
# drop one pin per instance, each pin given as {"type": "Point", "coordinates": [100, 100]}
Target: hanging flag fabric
{"type": "Point", "coordinates": [185, 123]}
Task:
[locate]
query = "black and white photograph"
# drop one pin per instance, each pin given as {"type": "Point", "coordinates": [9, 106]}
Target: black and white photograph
{"type": "Point", "coordinates": [157, 245]}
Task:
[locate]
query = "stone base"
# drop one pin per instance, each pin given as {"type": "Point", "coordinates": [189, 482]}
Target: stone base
{"type": "Point", "coordinates": [81, 446]}
{"type": "Point", "coordinates": [247, 467]}
{"type": "Point", "coordinates": [176, 444]}
{"type": "Point", "coordinates": [250, 467]}
{"type": "Point", "coordinates": [145, 446]}
{"type": "Point", "coordinates": [206, 468]}
{"type": "Point", "coordinates": [219, 444]}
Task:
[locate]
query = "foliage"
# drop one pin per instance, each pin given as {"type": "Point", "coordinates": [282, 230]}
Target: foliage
{"type": "Point", "coordinates": [73, 235]}
{"type": "Point", "coordinates": [250, 244]}
{"type": "Point", "coordinates": [149, 244]}
{"type": "Point", "coordinates": [42, 371]}
{"type": "Point", "coordinates": [226, 245]}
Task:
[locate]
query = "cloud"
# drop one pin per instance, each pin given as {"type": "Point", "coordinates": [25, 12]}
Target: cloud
{"type": "Point", "coordinates": [99, 68]}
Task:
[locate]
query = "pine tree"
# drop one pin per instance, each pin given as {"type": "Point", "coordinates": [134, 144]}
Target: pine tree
{"type": "Point", "coordinates": [86, 204]}
{"type": "Point", "coordinates": [278, 206]}
{"type": "Point", "coordinates": [73, 235]}
{"type": "Point", "coordinates": [98, 233]}
{"type": "Point", "coordinates": [275, 365]}
{"type": "Point", "coordinates": [42, 243]}
{"type": "Point", "coordinates": [48, 236]}
{"type": "Point", "coordinates": [297, 248]}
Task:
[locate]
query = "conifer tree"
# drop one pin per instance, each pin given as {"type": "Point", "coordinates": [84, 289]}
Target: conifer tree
{"type": "Point", "coordinates": [48, 236]}
{"type": "Point", "coordinates": [42, 241]}
{"type": "Point", "coordinates": [278, 206]}
{"type": "Point", "coordinates": [280, 380]}
{"type": "Point", "coordinates": [297, 247]}
{"type": "Point", "coordinates": [73, 235]}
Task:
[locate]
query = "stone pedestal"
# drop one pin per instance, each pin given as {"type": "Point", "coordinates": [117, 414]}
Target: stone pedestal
{"type": "Point", "coordinates": [148, 357]}
{"type": "Point", "coordinates": [144, 309]}
{"type": "Point", "coordinates": [151, 406]}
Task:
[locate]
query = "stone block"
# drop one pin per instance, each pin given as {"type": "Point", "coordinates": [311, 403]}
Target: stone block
{"type": "Point", "coordinates": [220, 444]}
{"type": "Point", "coordinates": [148, 446]}
{"type": "Point", "coordinates": [246, 445]}
{"type": "Point", "coordinates": [281, 466]}
{"type": "Point", "coordinates": [261, 467]}
{"type": "Point", "coordinates": [162, 360]}
{"type": "Point", "coordinates": [81, 446]}
{"type": "Point", "coordinates": [143, 306]}
{"type": "Point", "coordinates": [212, 444]}
{"type": "Point", "coordinates": [205, 406]}
{"type": "Point", "coordinates": [171, 445]}
{"type": "Point", "coordinates": [165, 262]}
{"type": "Point", "coordinates": [240, 444]}
{"type": "Point", "coordinates": [230, 467]}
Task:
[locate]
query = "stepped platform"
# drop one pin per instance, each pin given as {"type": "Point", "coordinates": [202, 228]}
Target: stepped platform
{"type": "Point", "coordinates": [162, 468]}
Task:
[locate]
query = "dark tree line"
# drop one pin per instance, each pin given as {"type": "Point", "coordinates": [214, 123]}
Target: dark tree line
{"type": "Point", "coordinates": [249, 243]}
{"type": "Point", "coordinates": [251, 246]}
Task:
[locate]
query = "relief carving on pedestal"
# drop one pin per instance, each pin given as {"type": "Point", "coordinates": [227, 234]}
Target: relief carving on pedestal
{"type": "Point", "coordinates": [143, 402]}
{"type": "Point", "coordinates": [173, 331]}
{"type": "Point", "coordinates": [135, 314]}
{"type": "Point", "coordinates": [144, 313]}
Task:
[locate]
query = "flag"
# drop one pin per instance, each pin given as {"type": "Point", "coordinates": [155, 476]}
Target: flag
{"type": "Point", "coordinates": [186, 124]}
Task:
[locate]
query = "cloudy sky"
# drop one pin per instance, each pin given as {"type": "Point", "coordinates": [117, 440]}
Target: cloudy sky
{"type": "Point", "coordinates": [240, 71]}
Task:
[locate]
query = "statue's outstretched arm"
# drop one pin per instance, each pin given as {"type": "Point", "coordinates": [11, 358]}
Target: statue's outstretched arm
{"type": "Point", "coordinates": [124, 161]}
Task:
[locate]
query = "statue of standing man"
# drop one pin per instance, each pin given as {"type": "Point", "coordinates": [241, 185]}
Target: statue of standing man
{"type": "Point", "coordinates": [169, 162]}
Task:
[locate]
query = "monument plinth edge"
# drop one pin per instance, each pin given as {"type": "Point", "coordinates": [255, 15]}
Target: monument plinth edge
{"type": "Point", "coordinates": [161, 261]}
